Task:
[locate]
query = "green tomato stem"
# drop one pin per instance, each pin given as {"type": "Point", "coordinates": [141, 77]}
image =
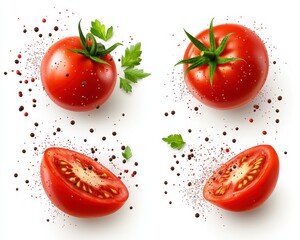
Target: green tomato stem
{"type": "Point", "coordinates": [210, 55]}
{"type": "Point", "coordinates": [92, 49]}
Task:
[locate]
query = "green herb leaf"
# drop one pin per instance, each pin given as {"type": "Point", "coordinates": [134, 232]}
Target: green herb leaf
{"type": "Point", "coordinates": [81, 36]}
{"type": "Point", "coordinates": [188, 61]}
{"type": "Point", "coordinates": [98, 60]}
{"type": "Point", "coordinates": [127, 153]}
{"type": "Point", "coordinates": [222, 46]}
{"type": "Point", "coordinates": [99, 30]}
{"type": "Point", "coordinates": [198, 63]}
{"type": "Point", "coordinates": [227, 60]}
{"type": "Point", "coordinates": [132, 56]}
{"type": "Point", "coordinates": [134, 74]}
{"type": "Point", "coordinates": [103, 52]}
{"type": "Point", "coordinates": [125, 84]}
{"type": "Point", "coordinates": [196, 42]}
{"type": "Point", "coordinates": [129, 61]}
{"type": "Point", "coordinates": [212, 69]}
{"type": "Point", "coordinates": [175, 141]}
{"type": "Point", "coordinates": [80, 51]}
{"type": "Point", "coordinates": [212, 40]}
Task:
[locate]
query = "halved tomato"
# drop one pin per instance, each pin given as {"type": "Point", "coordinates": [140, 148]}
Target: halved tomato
{"type": "Point", "coordinates": [80, 186]}
{"type": "Point", "coordinates": [244, 182]}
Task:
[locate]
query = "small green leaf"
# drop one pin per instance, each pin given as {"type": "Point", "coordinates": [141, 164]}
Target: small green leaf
{"type": "Point", "coordinates": [99, 30]}
{"type": "Point", "coordinates": [212, 69]}
{"type": "Point", "coordinates": [98, 60]}
{"type": "Point", "coordinates": [103, 52]}
{"type": "Point", "coordinates": [109, 32]}
{"type": "Point", "coordinates": [196, 42]}
{"type": "Point", "coordinates": [227, 60]}
{"type": "Point", "coordinates": [200, 62]}
{"type": "Point", "coordinates": [222, 46]}
{"type": "Point", "coordinates": [188, 61]}
{"type": "Point", "coordinates": [134, 74]}
{"type": "Point", "coordinates": [81, 36]}
{"type": "Point", "coordinates": [92, 49]}
{"type": "Point", "coordinates": [132, 56]}
{"type": "Point", "coordinates": [129, 61]}
{"type": "Point", "coordinates": [212, 40]}
{"type": "Point", "coordinates": [80, 51]}
{"type": "Point", "coordinates": [125, 84]}
{"type": "Point", "coordinates": [127, 153]}
{"type": "Point", "coordinates": [175, 141]}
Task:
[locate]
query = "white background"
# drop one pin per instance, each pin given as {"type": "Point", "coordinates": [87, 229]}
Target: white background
{"type": "Point", "coordinates": [160, 29]}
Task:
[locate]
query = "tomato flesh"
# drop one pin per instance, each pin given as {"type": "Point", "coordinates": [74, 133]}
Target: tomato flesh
{"type": "Point", "coordinates": [245, 181]}
{"type": "Point", "coordinates": [80, 186]}
{"type": "Point", "coordinates": [235, 83]}
{"type": "Point", "coordinates": [74, 81]}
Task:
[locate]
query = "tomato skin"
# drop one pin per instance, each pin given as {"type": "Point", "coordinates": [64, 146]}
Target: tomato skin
{"type": "Point", "coordinates": [258, 189]}
{"type": "Point", "coordinates": [235, 83]}
{"type": "Point", "coordinates": [76, 82]}
{"type": "Point", "coordinates": [72, 200]}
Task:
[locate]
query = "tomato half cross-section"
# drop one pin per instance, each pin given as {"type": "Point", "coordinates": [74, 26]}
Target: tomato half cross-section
{"type": "Point", "coordinates": [244, 182]}
{"type": "Point", "coordinates": [225, 66]}
{"type": "Point", "coordinates": [80, 186]}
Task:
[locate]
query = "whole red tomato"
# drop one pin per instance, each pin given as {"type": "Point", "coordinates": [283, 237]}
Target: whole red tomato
{"type": "Point", "coordinates": [80, 186]}
{"type": "Point", "coordinates": [74, 81]}
{"type": "Point", "coordinates": [245, 181]}
{"type": "Point", "coordinates": [225, 66]}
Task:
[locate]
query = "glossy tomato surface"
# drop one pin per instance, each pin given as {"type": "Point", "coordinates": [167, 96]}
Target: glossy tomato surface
{"type": "Point", "coordinates": [80, 186]}
{"type": "Point", "coordinates": [244, 182]}
{"type": "Point", "coordinates": [235, 83]}
{"type": "Point", "coordinates": [74, 81]}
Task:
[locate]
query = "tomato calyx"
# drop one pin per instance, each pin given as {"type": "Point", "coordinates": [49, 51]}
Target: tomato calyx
{"type": "Point", "coordinates": [91, 48]}
{"type": "Point", "coordinates": [209, 56]}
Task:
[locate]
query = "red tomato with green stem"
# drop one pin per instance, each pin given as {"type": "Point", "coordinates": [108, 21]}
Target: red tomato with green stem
{"type": "Point", "coordinates": [80, 186]}
{"type": "Point", "coordinates": [225, 66]}
{"type": "Point", "coordinates": [244, 182]}
{"type": "Point", "coordinates": [78, 73]}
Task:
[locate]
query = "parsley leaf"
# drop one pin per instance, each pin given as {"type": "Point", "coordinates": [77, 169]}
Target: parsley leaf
{"type": "Point", "coordinates": [127, 153]}
{"type": "Point", "coordinates": [99, 30]}
{"type": "Point", "coordinates": [132, 56]}
{"type": "Point", "coordinates": [175, 141]}
{"type": "Point", "coordinates": [129, 61]}
{"type": "Point", "coordinates": [134, 74]}
{"type": "Point", "coordinates": [125, 84]}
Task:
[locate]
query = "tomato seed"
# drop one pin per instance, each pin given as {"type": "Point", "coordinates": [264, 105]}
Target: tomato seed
{"type": "Point", "coordinates": [106, 195]}
{"type": "Point", "coordinates": [114, 191]}
{"type": "Point", "coordinates": [103, 175]}
{"type": "Point", "coordinates": [72, 179]}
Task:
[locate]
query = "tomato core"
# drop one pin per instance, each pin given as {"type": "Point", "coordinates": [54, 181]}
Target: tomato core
{"type": "Point", "coordinates": [86, 179]}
